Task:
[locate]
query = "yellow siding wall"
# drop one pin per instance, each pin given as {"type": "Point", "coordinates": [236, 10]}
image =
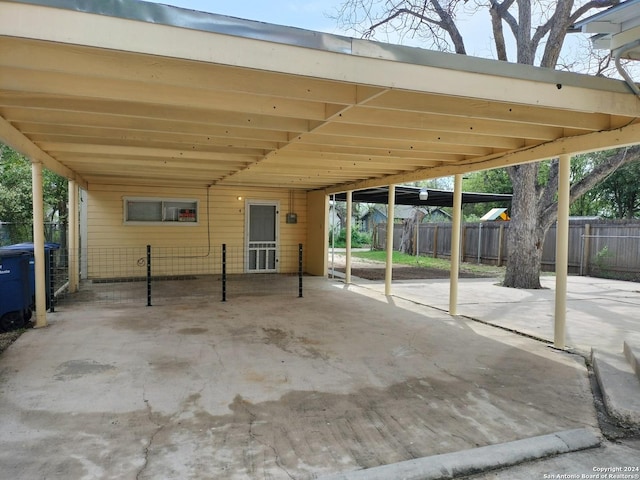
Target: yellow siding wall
{"type": "Point", "coordinates": [116, 249]}
{"type": "Point", "coordinates": [317, 233]}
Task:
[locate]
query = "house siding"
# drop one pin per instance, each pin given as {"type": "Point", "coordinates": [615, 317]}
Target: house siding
{"type": "Point", "coordinates": [223, 214]}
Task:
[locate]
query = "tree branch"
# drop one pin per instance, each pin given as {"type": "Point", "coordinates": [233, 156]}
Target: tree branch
{"type": "Point", "coordinates": [449, 26]}
{"type": "Point", "coordinates": [547, 193]}
{"type": "Point", "coordinates": [445, 22]}
{"type": "Point", "coordinates": [541, 31]}
{"type": "Point", "coordinates": [502, 10]}
{"type": "Point", "coordinates": [622, 157]}
{"type": "Point", "coordinates": [498, 32]}
{"type": "Point", "coordinates": [400, 12]}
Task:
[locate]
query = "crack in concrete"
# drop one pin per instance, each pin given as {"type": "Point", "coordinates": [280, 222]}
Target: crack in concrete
{"type": "Point", "coordinates": [217, 354]}
{"type": "Point", "coordinates": [254, 436]}
{"type": "Point", "coordinates": [147, 448]}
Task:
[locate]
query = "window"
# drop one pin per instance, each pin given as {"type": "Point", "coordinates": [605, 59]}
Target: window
{"type": "Point", "coordinates": [160, 210]}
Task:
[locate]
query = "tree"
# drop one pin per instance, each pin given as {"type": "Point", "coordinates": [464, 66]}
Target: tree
{"type": "Point", "coordinates": [16, 205]}
{"type": "Point", "coordinates": [534, 207]}
{"type": "Point", "coordinates": [485, 181]}
{"type": "Point", "coordinates": [592, 202]}
{"type": "Point", "coordinates": [620, 193]}
{"type": "Point", "coordinates": [15, 196]}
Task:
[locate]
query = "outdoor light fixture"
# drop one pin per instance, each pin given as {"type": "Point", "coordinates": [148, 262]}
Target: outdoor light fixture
{"type": "Point", "coordinates": [424, 193]}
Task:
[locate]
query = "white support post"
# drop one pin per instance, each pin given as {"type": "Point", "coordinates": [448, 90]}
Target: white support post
{"type": "Point", "coordinates": [73, 236]}
{"type": "Point", "coordinates": [562, 252]}
{"type": "Point", "coordinates": [388, 273]}
{"type": "Point", "coordinates": [455, 245]}
{"type": "Point", "coordinates": [347, 269]}
{"type": "Point", "coordinates": [333, 235]}
{"type": "Point", "coordinates": [38, 245]}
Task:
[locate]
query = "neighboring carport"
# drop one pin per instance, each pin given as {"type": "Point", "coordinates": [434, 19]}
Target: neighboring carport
{"type": "Point", "coordinates": [417, 196]}
{"type": "Point", "coordinates": [136, 94]}
{"type": "Point", "coordinates": [432, 197]}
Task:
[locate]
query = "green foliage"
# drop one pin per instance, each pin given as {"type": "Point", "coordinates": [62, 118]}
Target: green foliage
{"type": "Point", "coordinates": [591, 203]}
{"type": "Point", "coordinates": [620, 192]}
{"type": "Point", "coordinates": [602, 258]}
{"type": "Point", "coordinates": [617, 196]}
{"type": "Point", "coordinates": [486, 181]}
{"type": "Point", "coordinates": [16, 206]}
{"type": "Point", "coordinates": [15, 187]}
{"type": "Point", "coordinates": [358, 239]}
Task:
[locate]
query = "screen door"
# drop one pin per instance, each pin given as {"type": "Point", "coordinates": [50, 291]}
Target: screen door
{"type": "Point", "coordinates": [262, 236]}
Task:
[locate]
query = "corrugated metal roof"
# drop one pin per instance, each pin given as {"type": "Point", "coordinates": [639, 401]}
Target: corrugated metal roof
{"type": "Point", "coordinates": [406, 195]}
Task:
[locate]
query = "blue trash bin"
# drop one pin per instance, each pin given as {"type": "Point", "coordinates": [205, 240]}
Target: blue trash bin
{"type": "Point", "coordinates": [48, 275]}
{"type": "Point", "coordinates": [15, 296]}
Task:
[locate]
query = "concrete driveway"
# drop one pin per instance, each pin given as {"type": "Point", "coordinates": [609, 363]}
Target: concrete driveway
{"type": "Point", "coordinates": [272, 387]}
{"type": "Point", "coordinates": [601, 313]}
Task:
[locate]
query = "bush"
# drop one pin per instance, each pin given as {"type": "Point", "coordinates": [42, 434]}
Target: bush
{"type": "Point", "coordinates": [358, 239]}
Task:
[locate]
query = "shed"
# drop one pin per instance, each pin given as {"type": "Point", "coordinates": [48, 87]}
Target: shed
{"type": "Point", "coordinates": [495, 214]}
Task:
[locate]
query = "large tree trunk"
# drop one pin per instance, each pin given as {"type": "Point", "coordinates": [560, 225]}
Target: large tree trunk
{"type": "Point", "coordinates": [409, 232]}
{"type": "Point", "coordinates": [524, 237]}
{"type": "Point", "coordinates": [534, 209]}
{"type": "Point", "coordinates": [406, 241]}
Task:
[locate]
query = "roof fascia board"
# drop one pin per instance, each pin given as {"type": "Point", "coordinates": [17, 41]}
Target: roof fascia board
{"type": "Point", "coordinates": [625, 10]}
{"type": "Point", "coordinates": [625, 37]}
{"type": "Point", "coordinates": [591, 142]}
{"type": "Point", "coordinates": [16, 140]}
{"type": "Point", "coordinates": [601, 27]}
{"type": "Point", "coordinates": [601, 42]}
{"type": "Point", "coordinates": [371, 63]}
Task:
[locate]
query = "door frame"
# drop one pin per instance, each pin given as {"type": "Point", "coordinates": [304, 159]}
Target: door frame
{"type": "Point", "coordinates": [247, 218]}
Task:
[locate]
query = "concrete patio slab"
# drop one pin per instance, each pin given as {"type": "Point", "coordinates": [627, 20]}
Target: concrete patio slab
{"type": "Point", "coordinates": [600, 313]}
{"type": "Point", "coordinates": [272, 387]}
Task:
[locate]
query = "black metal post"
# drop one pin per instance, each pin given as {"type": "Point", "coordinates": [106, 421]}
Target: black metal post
{"type": "Point", "coordinates": [224, 272]}
{"type": "Point", "coordinates": [299, 270]}
{"type": "Point", "coordinates": [52, 288]}
{"type": "Point", "coordinates": [148, 275]}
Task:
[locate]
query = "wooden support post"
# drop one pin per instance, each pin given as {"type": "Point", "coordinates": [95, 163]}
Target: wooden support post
{"type": "Point", "coordinates": [455, 245]}
{"type": "Point", "coordinates": [586, 250]}
{"type": "Point", "coordinates": [463, 242]}
{"type": "Point", "coordinates": [500, 240]}
{"type": "Point", "coordinates": [562, 252]}
{"type": "Point", "coordinates": [347, 268]}
{"type": "Point", "coordinates": [388, 273]}
{"type": "Point", "coordinates": [435, 242]}
{"type": "Point", "coordinates": [38, 245]}
{"type": "Point", "coordinates": [72, 244]}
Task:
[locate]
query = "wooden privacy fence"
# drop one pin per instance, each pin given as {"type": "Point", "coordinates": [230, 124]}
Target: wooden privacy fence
{"type": "Point", "coordinates": [609, 248]}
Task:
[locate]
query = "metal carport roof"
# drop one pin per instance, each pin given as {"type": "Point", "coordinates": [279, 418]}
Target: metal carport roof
{"type": "Point", "coordinates": [406, 195]}
{"type": "Point", "coordinates": [128, 92]}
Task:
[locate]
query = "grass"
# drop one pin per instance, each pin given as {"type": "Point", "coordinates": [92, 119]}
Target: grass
{"type": "Point", "coordinates": [430, 262]}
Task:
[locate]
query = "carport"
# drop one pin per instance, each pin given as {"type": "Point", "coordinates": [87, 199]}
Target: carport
{"type": "Point", "coordinates": [124, 96]}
